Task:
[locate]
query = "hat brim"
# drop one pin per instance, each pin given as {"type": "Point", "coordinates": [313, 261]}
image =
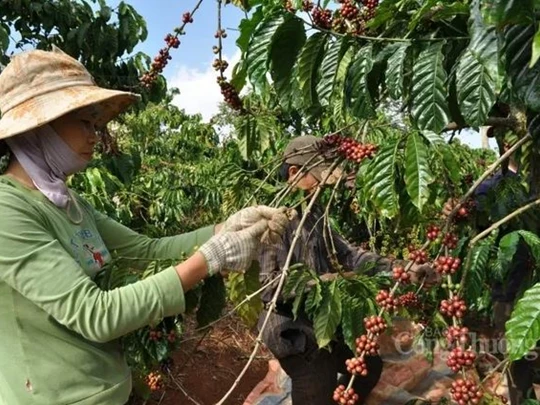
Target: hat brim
{"type": "Point", "coordinates": [45, 108]}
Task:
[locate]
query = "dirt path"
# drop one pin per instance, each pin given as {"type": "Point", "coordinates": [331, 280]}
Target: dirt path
{"type": "Point", "coordinates": [206, 366]}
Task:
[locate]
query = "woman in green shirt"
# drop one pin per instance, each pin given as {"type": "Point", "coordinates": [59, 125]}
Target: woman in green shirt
{"type": "Point", "coordinates": [58, 331]}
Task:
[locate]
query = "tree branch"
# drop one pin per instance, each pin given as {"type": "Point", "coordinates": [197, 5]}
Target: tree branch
{"type": "Point", "coordinates": [503, 221]}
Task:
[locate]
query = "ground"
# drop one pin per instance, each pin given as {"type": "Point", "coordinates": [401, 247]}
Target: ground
{"type": "Point", "coordinates": [207, 364]}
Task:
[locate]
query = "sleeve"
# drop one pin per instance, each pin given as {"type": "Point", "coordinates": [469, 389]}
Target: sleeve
{"type": "Point", "coordinates": [357, 259]}
{"type": "Point", "coordinates": [125, 242]}
{"type": "Point", "coordinates": [36, 265]}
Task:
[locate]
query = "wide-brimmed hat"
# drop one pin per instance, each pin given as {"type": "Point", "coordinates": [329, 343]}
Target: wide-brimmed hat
{"type": "Point", "coordinates": [305, 151]}
{"type": "Point", "coordinates": [37, 87]}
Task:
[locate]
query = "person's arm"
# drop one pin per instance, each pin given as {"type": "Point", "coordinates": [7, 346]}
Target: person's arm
{"type": "Point", "coordinates": [125, 242]}
{"type": "Point", "coordinates": [35, 264]}
{"type": "Point", "coordinates": [355, 258]}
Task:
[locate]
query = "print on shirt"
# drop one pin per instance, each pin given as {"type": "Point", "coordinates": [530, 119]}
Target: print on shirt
{"type": "Point", "coordinates": [90, 251]}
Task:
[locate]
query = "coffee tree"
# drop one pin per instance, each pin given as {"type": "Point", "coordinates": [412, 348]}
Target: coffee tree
{"type": "Point", "coordinates": [101, 37]}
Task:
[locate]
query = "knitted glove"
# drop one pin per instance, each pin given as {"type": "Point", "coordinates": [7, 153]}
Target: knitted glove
{"type": "Point", "coordinates": [278, 220]}
{"type": "Point", "coordinates": [233, 250]}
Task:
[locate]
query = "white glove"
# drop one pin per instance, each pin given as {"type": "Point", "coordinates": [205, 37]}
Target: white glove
{"type": "Point", "coordinates": [278, 220]}
{"type": "Point", "coordinates": [233, 250]}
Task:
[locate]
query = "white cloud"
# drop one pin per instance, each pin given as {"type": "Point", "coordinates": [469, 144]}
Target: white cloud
{"type": "Point", "coordinates": [199, 91]}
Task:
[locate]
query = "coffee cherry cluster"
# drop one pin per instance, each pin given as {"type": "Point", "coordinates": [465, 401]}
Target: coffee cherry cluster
{"type": "Point", "coordinates": [230, 94]}
{"type": "Point", "coordinates": [307, 6]}
{"type": "Point", "coordinates": [460, 358]}
{"type": "Point", "coordinates": [338, 23]}
{"type": "Point", "coordinates": [400, 275]}
{"type": "Point", "coordinates": [447, 264]}
{"type": "Point", "coordinates": [355, 151]}
{"type": "Point", "coordinates": [187, 18]}
{"type": "Point", "coordinates": [322, 17]}
{"type": "Point", "coordinates": [163, 58]}
{"type": "Point", "coordinates": [450, 241]}
{"type": "Point", "coordinates": [221, 33]}
{"type": "Point", "coordinates": [357, 366]}
{"type": "Point", "coordinates": [465, 392]}
{"type": "Point", "coordinates": [345, 396]}
{"type": "Point", "coordinates": [155, 335]}
{"type": "Point", "coordinates": [350, 148]}
{"type": "Point", "coordinates": [457, 335]}
{"type": "Point", "coordinates": [433, 232]}
{"type": "Point", "coordinates": [371, 5]}
{"type": "Point", "coordinates": [172, 41]}
{"type": "Point", "coordinates": [220, 65]}
{"type": "Point", "coordinates": [385, 301]}
{"type": "Point", "coordinates": [366, 345]}
{"type": "Point", "coordinates": [454, 306]}
{"type": "Point", "coordinates": [154, 381]}
{"type": "Point", "coordinates": [375, 324]}
{"type": "Point", "coordinates": [409, 300]}
{"type": "Point", "coordinates": [348, 10]}
{"type": "Point", "coordinates": [289, 6]}
{"type": "Point", "coordinates": [171, 337]}
{"type": "Point", "coordinates": [157, 66]}
{"type": "Point", "coordinates": [419, 256]}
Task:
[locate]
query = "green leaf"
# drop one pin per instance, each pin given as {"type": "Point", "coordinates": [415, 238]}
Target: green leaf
{"type": "Point", "coordinates": [504, 12]}
{"type": "Point", "coordinates": [242, 285]}
{"type": "Point", "coordinates": [328, 315]}
{"type": "Point", "coordinates": [476, 272]}
{"type": "Point", "coordinates": [357, 96]}
{"type": "Point", "coordinates": [535, 49]}
{"type": "Point", "coordinates": [476, 89]}
{"type": "Point", "coordinates": [329, 69]}
{"type": "Point", "coordinates": [477, 72]}
{"type": "Point", "coordinates": [380, 175]}
{"type": "Point", "coordinates": [433, 138]}
{"type": "Point", "coordinates": [394, 71]}
{"type": "Point", "coordinates": [534, 243]}
{"type": "Point", "coordinates": [451, 164]}
{"type": "Point", "coordinates": [429, 106]}
{"type": "Point", "coordinates": [525, 80]}
{"type": "Point", "coordinates": [4, 39]}
{"type": "Point", "coordinates": [507, 248]}
{"type": "Point", "coordinates": [417, 172]}
{"type": "Point", "coordinates": [313, 297]}
{"type": "Point", "coordinates": [296, 282]}
{"type": "Point", "coordinates": [212, 301]}
{"type": "Point", "coordinates": [247, 26]}
{"type": "Point", "coordinates": [308, 67]}
{"type": "Point", "coordinates": [523, 327]}
{"type": "Point", "coordinates": [352, 320]}
{"type": "Point", "coordinates": [289, 39]}
{"type": "Point", "coordinates": [259, 48]}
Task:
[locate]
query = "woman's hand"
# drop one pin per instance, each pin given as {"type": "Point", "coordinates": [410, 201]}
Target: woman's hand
{"type": "Point", "coordinates": [234, 250]}
{"type": "Point", "coordinates": [251, 215]}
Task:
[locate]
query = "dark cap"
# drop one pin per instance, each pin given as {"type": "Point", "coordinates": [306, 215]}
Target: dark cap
{"type": "Point", "coordinates": [304, 150]}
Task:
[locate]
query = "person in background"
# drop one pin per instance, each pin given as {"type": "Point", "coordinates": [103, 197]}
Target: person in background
{"type": "Point", "coordinates": [491, 205]}
{"type": "Point", "coordinates": [313, 371]}
{"type": "Point", "coordinates": [58, 330]}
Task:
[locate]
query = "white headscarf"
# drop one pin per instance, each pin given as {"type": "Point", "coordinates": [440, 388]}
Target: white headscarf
{"type": "Point", "coordinates": [48, 160]}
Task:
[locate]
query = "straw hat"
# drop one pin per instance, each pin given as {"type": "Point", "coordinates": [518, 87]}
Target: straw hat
{"type": "Point", "coordinates": [37, 87]}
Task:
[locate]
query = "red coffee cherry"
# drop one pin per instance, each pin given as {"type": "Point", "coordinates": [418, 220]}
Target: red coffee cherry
{"type": "Point", "coordinates": [345, 396]}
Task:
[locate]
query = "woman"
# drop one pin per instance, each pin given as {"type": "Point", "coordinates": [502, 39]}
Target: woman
{"type": "Point", "coordinates": [58, 330]}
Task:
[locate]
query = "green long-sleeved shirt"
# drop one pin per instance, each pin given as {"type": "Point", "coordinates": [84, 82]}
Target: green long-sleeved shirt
{"type": "Point", "coordinates": [58, 330]}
